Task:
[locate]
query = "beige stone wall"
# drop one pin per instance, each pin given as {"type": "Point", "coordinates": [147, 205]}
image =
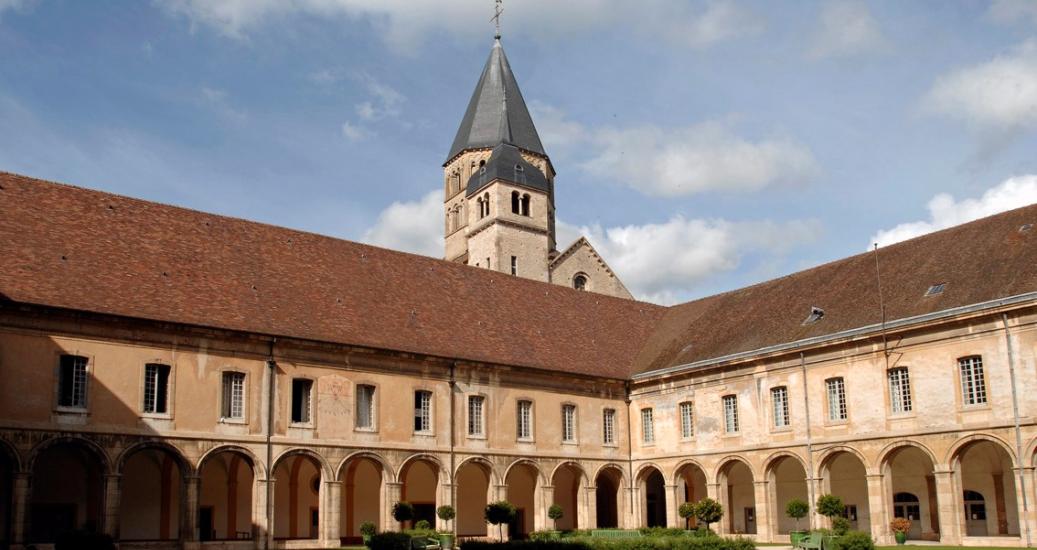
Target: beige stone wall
{"type": "Point", "coordinates": [583, 260]}
{"type": "Point", "coordinates": [502, 234]}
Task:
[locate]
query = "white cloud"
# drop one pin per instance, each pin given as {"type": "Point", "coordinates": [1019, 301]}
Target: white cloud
{"type": "Point", "coordinates": [1000, 94]}
{"type": "Point", "coordinates": [662, 262]}
{"type": "Point", "coordinates": [405, 23]}
{"type": "Point", "coordinates": [411, 226]}
{"type": "Point", "coordinates": [385, 101]}
{"type": "Point", "coordinates": [354, 133]}
{"type": "Point", "coordinates": [678, 161]}
{"type": "Point", "coordinates": [846, 28]}
{"type": "Point", "coordinates": [1013, 11]}
{"type": "Point", "coordinates": [945, 211]}
{"type": "Point", "coordinates": [15, 5]}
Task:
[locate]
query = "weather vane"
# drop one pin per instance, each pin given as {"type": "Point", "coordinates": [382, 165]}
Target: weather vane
{"type": "Point", "coordinates": [497, 10]}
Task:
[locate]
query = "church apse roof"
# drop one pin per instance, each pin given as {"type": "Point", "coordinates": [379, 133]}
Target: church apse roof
{"type": "Point", "coordinates": [496, 113]}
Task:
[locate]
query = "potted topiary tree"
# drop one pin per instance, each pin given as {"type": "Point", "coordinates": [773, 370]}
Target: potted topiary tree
{"type": "Point", "coordinates": [499, 513]}
{"type": "Point", "coordinates": [831, 507]}
{"type": "Point", "coordinates": [687, 511]}
{"type": "Point", "coordinates": [708, 511]}
{"type": "Point", "coordinates": [900, 527]}
{"type": "Point", "coordinates": [797, 509]}
{"type": "Point", "coordinates": [403, 512]}
{"type": "Point", "coordinates": [556, 513]}
{"type": "Point", "coordinates": [367, 530]}
{"type": "Point", "coordinates": [446, 538]}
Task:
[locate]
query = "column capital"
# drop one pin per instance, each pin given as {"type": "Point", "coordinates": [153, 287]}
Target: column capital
{"type": "Point", "coordinates": [333, 482]}
{"type": "Point", "coordinates": [761, 482]}
{"type": "Point", "coordinates": [874, 476]}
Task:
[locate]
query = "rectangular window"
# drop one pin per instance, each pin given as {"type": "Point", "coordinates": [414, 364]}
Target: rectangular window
{"type": "Point", "coordinates": [687, 419]}
{"type": "Point", "coordinates": [365, 406]}
{"type": "Point", "coordinates": [72, 381]}
{"type": "Point", "coordinates": [301, 392]}
{"type": "Point", "coordinates": [647, 426]}
{"type": "Point", "coordinates": [780, 403]}
{"type": "Point", "coordinates": [514, 265]}
{"type": "Point", "coordinates": [899, 390]}
{"type": "Point", "coordinates": [524, 429]}
{"type": "Point", "coordinates": [608, 427]}
{"type": "Point", "coordinates": [475, 414]}
{"type": "Point", "coordinates": [731, 414]}
{"type": "Point", "coordinates": [973, 384]}
{"type": "Point", "coordinates": [569, 423]}
{"type": "Point", "coordinates": [836, 399]}
{"type": "Point", "coordinates": [423, 411]}
{"type": "Point", "coordinates": [233, 395]}
{"type": "Point", "coordinates": [156, 388]}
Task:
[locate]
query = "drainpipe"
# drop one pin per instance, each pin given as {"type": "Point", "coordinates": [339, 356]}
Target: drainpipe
{"type": "Point", "coordinates": [1018, 431]}
{"type": "Point", "coordinates": [630, 452]}
{"type": "Point", "coordinates": [271, 366]}
{"type": "Point", "coordinates": [453, 442]}
{"type": "Point", "coordinates": [810, 445]}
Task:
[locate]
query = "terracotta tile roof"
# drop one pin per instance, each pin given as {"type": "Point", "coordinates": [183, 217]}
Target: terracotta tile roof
{"type": "Point", "coordinates": [984, 260]}
{"type": "Point", "coordinates": [86, 250]}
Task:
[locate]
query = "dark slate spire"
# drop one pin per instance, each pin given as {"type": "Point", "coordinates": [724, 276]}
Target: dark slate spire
{"type": "Point", "coordinates": [496, 113]}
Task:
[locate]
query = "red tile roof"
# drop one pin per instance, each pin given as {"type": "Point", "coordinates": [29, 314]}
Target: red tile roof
{"type": "Point", "coordinates": [86, 250]}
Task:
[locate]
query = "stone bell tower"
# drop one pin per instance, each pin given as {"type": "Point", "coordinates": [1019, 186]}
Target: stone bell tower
{"type": "Point", "coordinates": [499, 182]}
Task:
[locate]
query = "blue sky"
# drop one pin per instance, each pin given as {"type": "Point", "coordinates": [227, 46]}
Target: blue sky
{"type": "Point", "coordinates": [702, 146]}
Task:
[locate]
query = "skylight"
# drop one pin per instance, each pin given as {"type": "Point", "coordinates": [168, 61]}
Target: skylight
{"type": "Point", "coordinates": [816, 314]}
{"type": "Point", "coordinates": [935, 289]}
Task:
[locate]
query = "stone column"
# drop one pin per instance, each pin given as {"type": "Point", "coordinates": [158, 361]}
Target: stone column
{"type": "Point", "coordinates": [713, 492]}
{"type": "Point", "coordinates": [446, 489]}
{"type": "Point", "coordinates": [331, 514]}
{"type": "Point", "coordinates": [498, 493]}
{"type": "Point", "coordinates": [634, 516]}
{"type": "Point", "coordinates": [877, 509]}
{"type": "Point", "coordinates": [947, 507]}
{"type": "Point", "coordinates": [672, 519]}
{"type": "Point", "coordinates": [392, 496]}
{"type": "Point", "coordinates": [1023, 491]}
{"type": "Point", "coordinates": [814, 519]}
{"type": "Point", "coordinates": [189, 517]}
{"type": "Point", "coordinates": [542, 504]}
{"type": "Point", "coordinates": [112, 501]}
{"type": "Point", "coordinates": [763, 511]}
{"type": "Point", "coordinates": [263, 528]}
{"type": "Point", "coordinates": [587, 517]}
{"type": "Point", "coordinates": [21, 494]}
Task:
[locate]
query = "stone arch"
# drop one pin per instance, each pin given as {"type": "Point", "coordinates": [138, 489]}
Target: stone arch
{"type": "Point", "coordinates": [524, 480]}
{"type": "Point", "coordinates": [736, 481]}
{"type": "Point", "coordinates": [186, 468]}
{"type": "Point", "coordinates": [955, 450]}
{"type": "Point", "coordinates": [386, 467]}
{"type": "Point", "coordinates": [692, 481]}
{"type": "Point", "coordinates": [610, 466]}
{"type": "Point", "coordinates": [483, 463]}
{"type": "Point", "coordinates": [908, 469]}
{"type": "Point", "coordinates": [325, 468]}
{"type": "Point", "coordinates": [258, 468]}
{"type": "Point", "coordinates": [569, 481]}
{"type": "Point", "coordinates": [11, 452]}
{"type": "Point", "coordinates": [609, 504]}
{"type": "Point", "coordinates": [652, 484]}
{"type": "Point", "coordinates": [786, 475]}
{"type": "Point", "coordinates": [833, 452]}
{"type": "Point", "coordinates": [889, 452]}
{"type": "Point", "coordinates": [84, 442]}
{"type": "Point", "coordinates": [424, 457]}
{"type": "Point", "coordinates": [541, 477]}
{"type": "Point", "coordinates": [774, 459]}
{"type": "Point", "coordinates": [643, 469]}
{"type": "Point", "coordinates": [571, 464]}
{"type": "Point", "coordinates": [675, 476]}
{"type": "Point", "coordinates": [472, 496]}
{"type": "Point", "coordinates": [727, 461]}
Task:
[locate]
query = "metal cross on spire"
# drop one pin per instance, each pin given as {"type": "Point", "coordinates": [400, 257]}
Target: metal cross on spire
{"type": "Point", "coordinates": [497, 10]}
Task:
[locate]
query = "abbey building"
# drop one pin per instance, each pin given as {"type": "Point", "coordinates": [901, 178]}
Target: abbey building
{"type": "Point", "coordinates": [179, 379]}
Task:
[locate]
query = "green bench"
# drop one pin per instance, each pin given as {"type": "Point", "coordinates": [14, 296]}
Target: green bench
{"type": "Point", "coordinates": [615, 534]}
{"type": "Point", "coordinates": [816, 541]}
{"type": "Point", "coordinates": [424, 543]}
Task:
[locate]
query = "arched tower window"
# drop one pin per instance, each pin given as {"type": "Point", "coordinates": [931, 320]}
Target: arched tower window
{"type": "Point", "coordinates": [580, 281]}
{"type": "Point", "coordinates": [486, 203]}
{"type": "Point", "coordinates": [524, 207]}
{"type": "Point", "coordinates": [515, 202]}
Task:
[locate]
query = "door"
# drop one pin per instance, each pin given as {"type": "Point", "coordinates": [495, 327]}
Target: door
{"type": "Point", "coordinates": [750, 521]}
{"type": "Point", "coordinates": [905, 505]}
{"type": "Point", "coordinates": [517, 526]}
{"type": "Point", "coordinates": [206, 527]}
{"type": "Point", "coordinates": [975, 514]}
{"type": "Point", "coordinates": [314, 523]}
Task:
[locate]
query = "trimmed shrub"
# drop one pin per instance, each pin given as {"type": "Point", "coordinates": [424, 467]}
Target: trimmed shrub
{"type": "Point", "coordinates": [686, 511]}
{"type": "Point", "coordinates": [403, 511]}
{"type": "Point", "coordinates": [840, 526]}
{"type": "Point", "coordinates": [797, 509]}
{"type": "Point", "coordinates": [390, 541]}
{"type": "Point", "coordinates": [708, 511]}
{"type": "Point", "coordinates": [422, 525]}
{"type": "Point", "coordinates": [710, 542]}
{"type": "Point", "coordinates": [662, 532]}
{"type": "Point", "coordinates": [499, 513]}
{"type": "Point", "coordinates": [854, 540]}
{"type": "Point", "coordinates": [368, 529]}
{"type": "Point", "coordinates": [556, 513]}
{"type": "Point", "coordinates": [830, 506]}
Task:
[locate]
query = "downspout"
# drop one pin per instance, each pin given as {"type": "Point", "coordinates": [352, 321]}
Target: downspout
{"type": "Point", "coordinates": [810, 445]}
{"type": "Point", "coordinates": [453, 441]}
{"type": "Point", "coordinates": [1018, 430]}
{"type": "Point", "coordinates": [630, 452]}
{"type": "Point", "coordinates": [271, 374]}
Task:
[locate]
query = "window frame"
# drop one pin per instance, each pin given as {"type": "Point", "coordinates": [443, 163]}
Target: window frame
{"type": "Point", "coordinates": [570, 424]}
{"type": "Point", "coordinates": [427, 415]}
{"type": "Point", "coordinates": [372, 407]}
{"type": "Point", "coordinates": [481, 434]}
{"type": "Point", "coordinates": [903, 385]}
{"type": "Point", "coordinates": [144, 412]}
{"type": "Point", "coordinates": [732, 425]}
{"type": "Point", "coordinates": [74, 409]}
{"type": "Point", "coordinates": [225, 406]}
{"type": "Point", "coordinates": [608, 427]}
{"type": "Point", "coordinates": [686, 422]}
{"type": "Point", "coordinates": [647, 426]}
{"type": "Point", "coordinates": [529, 436]}
{"type": "Point", "coordinates": [783, 413]}
{"type": "Point", "coordinates": [982, 389]}
{"type": "Point", "coordinates": [842, 407]}
{"type": "Point", "coordinates": [308, 422]}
